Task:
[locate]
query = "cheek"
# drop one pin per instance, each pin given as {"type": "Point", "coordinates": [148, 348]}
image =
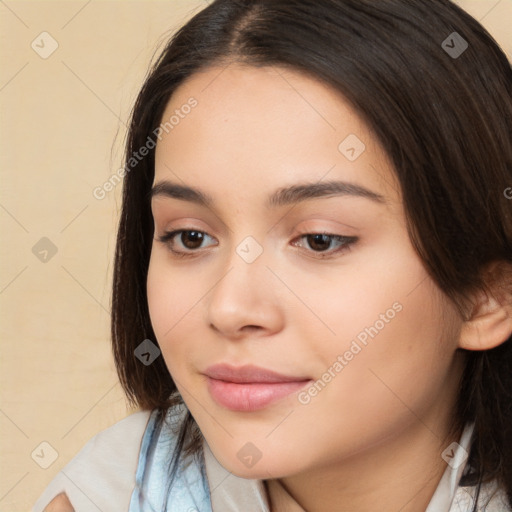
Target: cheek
{"type": "Point", "coordinates": [384, 300]}
{"type": "Point", "coordinates": [401, 371]}
{"type": "Point", "coordinates": [173, 309]}
{"type": "Point", "coordinates": [389, 320]}
{"type": "Point", "coordinates": [396, 335]}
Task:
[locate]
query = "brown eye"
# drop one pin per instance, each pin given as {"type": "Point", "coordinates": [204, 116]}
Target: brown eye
{"type": "Point", "coordinates": [191, 239]}
{"type": "Point", "coordinates": [188, 242]}
{"type": "Point", "coordinates": [320, 243]}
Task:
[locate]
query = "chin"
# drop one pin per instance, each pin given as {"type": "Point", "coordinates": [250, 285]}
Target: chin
{"type": "Point", "coordinates": [262, 469]}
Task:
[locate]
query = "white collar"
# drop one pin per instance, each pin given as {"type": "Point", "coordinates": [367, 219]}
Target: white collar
{"type": "Point", "coordinates": [445, 492]}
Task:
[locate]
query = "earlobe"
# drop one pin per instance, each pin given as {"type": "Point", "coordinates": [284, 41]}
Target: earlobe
{"type": "Point", "coordinates": [490, 322]}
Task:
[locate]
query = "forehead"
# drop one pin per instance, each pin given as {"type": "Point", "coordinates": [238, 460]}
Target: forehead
{"type": "Point", "coordinates": [269, 124]}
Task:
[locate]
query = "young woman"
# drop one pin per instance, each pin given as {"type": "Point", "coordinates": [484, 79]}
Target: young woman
{"type": "Point", "coordinates": [312, 299]}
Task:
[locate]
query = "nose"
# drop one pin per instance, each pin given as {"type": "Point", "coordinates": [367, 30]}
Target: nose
{"type": "Point", "coordinates": [246, 300]}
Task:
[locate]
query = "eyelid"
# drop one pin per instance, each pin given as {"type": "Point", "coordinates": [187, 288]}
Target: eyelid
{"type": "Point", "coordinates": [318, 226]}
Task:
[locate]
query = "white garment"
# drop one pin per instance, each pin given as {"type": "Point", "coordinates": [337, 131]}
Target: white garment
{"type": "Point", "coordinates": [101, 477]}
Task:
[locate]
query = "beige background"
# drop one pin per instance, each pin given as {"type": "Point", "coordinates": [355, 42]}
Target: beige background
{"type": "Point", "coordinates": [63, 125]}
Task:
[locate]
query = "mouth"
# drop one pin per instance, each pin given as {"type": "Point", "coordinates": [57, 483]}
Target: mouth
{"type": "Point", "coordinates": [250, 388]}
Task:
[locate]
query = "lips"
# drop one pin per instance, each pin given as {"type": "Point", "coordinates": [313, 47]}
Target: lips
{"type": "Point", "coordinates": [250, 388]}
{"type": "Point", "coordinates": [248, 374]}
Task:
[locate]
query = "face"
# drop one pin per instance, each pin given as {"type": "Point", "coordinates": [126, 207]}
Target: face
{"type": "Point", "coordinates": [322, 287]}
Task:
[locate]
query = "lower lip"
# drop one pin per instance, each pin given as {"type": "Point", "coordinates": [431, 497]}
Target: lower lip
{"type": "Point", "coordinates": [253, 396]}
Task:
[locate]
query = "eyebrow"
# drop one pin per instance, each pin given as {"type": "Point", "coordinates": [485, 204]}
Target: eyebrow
{"type": "Point", "coordinates": [284, 196]}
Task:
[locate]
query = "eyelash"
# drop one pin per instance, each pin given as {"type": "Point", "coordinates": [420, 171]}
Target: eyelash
{"type": "Point", "coordinates": [347, 243]}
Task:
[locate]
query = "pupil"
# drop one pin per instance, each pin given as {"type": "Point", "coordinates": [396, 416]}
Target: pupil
{"type": "Point", "coordinates": [325, 238]}
{"type": "Point", "coordinates": [192, 235]}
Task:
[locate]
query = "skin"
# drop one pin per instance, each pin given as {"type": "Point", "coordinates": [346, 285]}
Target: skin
{"type": "Point", "coordinates": [375, 433]}
{"type": "Point", "coordinates": [60, 503]}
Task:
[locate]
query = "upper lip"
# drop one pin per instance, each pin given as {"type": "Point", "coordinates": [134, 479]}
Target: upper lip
{"type": "Point", "coordinates": [248, 374]}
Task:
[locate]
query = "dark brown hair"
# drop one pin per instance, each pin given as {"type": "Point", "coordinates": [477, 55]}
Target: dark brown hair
{"type": "Point", "coordinates": [445, 121]}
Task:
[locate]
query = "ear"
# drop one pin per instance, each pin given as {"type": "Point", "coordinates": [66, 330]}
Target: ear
{"type": "Point", "coordinates": [490, 320]}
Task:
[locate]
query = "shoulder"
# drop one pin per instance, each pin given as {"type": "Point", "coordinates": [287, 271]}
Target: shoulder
{"type": "Point", "coordinates": [120, 439]}
{"type": "Point", "coordinates": [103, 471]}
{"type": "Point", "coordinates": [60, 503]}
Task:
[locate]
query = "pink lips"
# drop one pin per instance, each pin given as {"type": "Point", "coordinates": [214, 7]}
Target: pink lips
{"type": "Point", "coordinates": [249, 388]}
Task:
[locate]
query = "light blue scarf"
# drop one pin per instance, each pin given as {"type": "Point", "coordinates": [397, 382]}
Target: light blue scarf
{"type": "Point", "coordinates": [189, 491]}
